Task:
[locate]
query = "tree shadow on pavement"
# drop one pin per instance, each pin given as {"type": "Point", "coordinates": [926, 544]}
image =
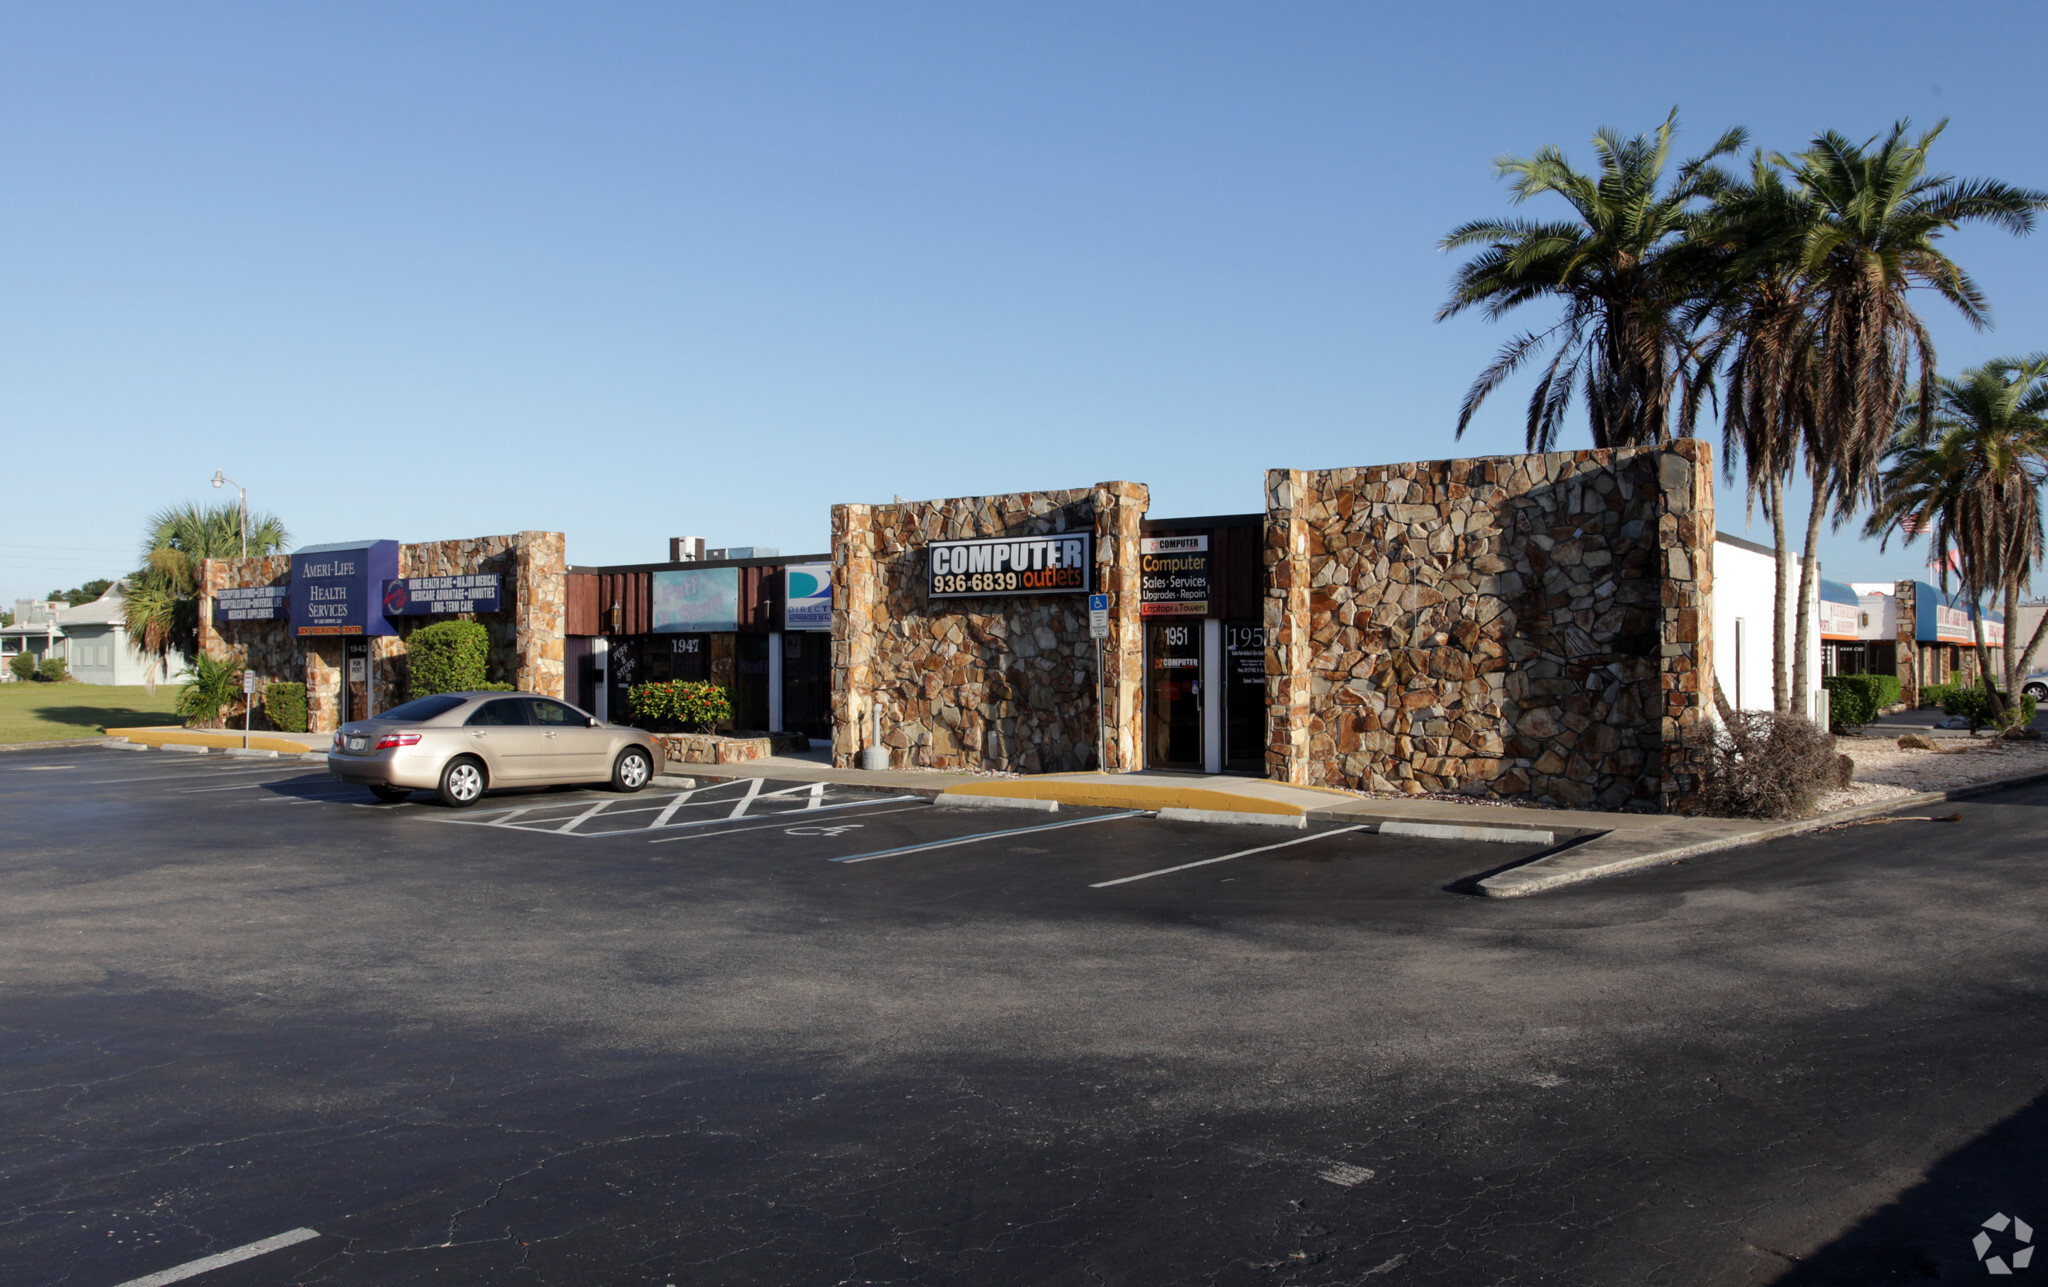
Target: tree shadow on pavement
{"type": "Point", "coordinates": [1925, 1235]}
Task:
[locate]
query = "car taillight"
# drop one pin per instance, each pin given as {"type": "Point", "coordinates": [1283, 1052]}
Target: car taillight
{"type": "Point", "coordinates": [390, 740]}
{"type": "Point", "coordinates": [337, 741]}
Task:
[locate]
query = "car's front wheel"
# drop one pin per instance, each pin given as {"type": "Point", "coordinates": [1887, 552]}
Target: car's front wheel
{"type": "Point", "coordinates": [462, 783]}
{"type": "Point", "coordinates": [391, 794]}
{"type": "Point", "coordinates": [632, 770]}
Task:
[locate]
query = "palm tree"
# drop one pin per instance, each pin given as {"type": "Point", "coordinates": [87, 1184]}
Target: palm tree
{"type": "Point", "coordinates": [1618, 271]}
{"type": "Point", "coordinates": [162, 597]}
{"type": "Point", "coordinates": [1974, 485]}
{"type": "Point", "coordinates": [2002, 407]}
{"type": "Point", "coordinates": [1834, 363]}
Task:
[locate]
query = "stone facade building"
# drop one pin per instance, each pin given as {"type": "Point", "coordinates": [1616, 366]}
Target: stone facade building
{"type": "Point", "coordinates": [1525, 627]}
{"type": "Point", "coordinates": [1002, 683]}
{"type": "Point", "coordinates": [527, 630]}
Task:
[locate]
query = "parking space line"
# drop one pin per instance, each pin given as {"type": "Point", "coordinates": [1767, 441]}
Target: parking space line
{"type": "Point", "coordinates": [244, 786]}
{"type": "Point", "coordinates": [753, 789]}
{"type": "Point", "coordinates": [989, 835]}
{"type": "Point", "coordinates": [786, 813]}
{"type": "Point", "coordinates": [661, 819]}
{"type": "Point", "coordinates": [577, 821]}
{"type": "Point", "coordinates": [799, 815]}
{"type": "Point", "coordinates": [220, 1260]}
{"type": "Point", "coordinates": [186, 776]}
{"type": "Point", "coordinates": [1242, 853]}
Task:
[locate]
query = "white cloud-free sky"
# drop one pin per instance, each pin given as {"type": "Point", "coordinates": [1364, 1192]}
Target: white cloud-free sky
{"type": "Point", "coordinates": [632, 271]}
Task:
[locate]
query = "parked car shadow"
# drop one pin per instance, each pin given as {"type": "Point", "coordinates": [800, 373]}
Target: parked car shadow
{"type": "Point", "coordinates": [1925, 1236]}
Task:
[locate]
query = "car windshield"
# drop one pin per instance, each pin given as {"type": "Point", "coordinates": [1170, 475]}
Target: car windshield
{"type": "Point", "coordinates": [421, 709]}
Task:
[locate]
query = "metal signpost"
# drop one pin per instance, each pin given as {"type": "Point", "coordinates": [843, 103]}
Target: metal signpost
{"type": "Point", "coordinates": [1098, 630]}
{"type": "Point", "coordinates": [248, 692]}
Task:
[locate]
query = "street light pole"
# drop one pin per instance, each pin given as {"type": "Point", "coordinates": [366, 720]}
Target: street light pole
{"type": "Point", "coordinates": [241, 507]}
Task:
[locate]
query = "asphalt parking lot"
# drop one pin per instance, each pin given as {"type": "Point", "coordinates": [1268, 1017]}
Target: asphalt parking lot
{"type": "Point", "coordinates": [773, 1032]}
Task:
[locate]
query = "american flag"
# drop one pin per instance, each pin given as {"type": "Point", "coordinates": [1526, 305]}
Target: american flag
{"type": "Point", "coordinates": [1914, 524]}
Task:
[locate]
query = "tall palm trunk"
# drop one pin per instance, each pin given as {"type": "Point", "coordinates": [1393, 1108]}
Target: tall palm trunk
{"type": "Point", "coordinates": [1781, 699]}
{"type": "Point", "coordinates": [2012, 621]}
{"type": "Point", "coordinates": [1809, 576]}
{"type": "Point", "coordinates": [1983, 653]}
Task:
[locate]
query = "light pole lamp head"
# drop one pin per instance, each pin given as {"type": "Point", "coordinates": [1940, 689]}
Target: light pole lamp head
{"type": "Point", "coordinates": [219, 477]}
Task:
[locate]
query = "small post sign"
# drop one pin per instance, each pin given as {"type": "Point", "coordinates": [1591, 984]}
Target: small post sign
{"type": "Point", "coordinates": [248, 693]}
{"type": "Point", "coordinates": [1098, 616]}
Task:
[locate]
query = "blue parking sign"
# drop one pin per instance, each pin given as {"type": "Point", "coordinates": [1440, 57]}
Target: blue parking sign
{"type": "Point", "coordinates": [1098, 603]}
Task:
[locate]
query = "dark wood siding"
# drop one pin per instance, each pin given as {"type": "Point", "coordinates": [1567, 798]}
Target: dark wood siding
{"type": "Point", "coordinates": [631, 594]}
{"type": "Point", "coordinates": [581, 595]}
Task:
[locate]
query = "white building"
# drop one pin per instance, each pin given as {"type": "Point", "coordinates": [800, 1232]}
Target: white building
{"type": "Point", "coordinates": [91, 639]}
{"type": "Point", "coordinates": [1745, 599]}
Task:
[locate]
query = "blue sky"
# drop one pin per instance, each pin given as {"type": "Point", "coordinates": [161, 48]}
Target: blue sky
{"type": "Point", "coordinates": [423, 271]}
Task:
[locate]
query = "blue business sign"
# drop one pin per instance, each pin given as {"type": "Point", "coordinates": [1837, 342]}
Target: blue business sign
{"type": "Point", "coordinates": [427, 596]}
{"type": "Point", "coordinates": [807, 601]}
{"type": "Point", "coordinates": [251, 603]}
{"type": "Point", "coordinates": [339, 589]}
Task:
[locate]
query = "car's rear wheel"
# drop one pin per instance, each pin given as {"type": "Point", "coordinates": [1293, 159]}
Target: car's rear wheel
{"type": "Point", "coordinates": [632, 770]}
{"type": "Point", "coordinates": [391, 794]}
{"type": "Point", "coordinates": [462, 783]}
{"type": "Point", "coordinates": [2036, 690]}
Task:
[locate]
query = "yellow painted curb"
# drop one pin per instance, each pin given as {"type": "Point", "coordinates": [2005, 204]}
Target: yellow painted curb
{"type": "Point", "coordinates": [1118, 795]}
{"type": "Point", "coordinates": [195, 737]}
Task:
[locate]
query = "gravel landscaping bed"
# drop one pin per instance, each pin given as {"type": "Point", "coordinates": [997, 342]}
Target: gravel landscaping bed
{"type": "Point", "coordinates": [1884, 771]}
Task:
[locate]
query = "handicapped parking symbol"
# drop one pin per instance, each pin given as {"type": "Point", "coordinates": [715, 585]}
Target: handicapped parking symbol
{"type": "Point", "coordinates": [822, 831]}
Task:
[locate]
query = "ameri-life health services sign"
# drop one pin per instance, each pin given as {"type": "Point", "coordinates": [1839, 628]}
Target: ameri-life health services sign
{"type": "Point", "coordinates": [1061, 563]}
{"type": "Point", "coordinates": [429, 596]}
{"type": "Point", "coordinates": [339, 589]}
{"type": "Point", "coordinates": [1173, 576]}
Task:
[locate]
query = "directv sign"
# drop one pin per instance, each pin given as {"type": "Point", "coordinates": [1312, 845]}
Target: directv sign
{"type": "Point", "coordinates": [251, 603]}
{"type": "Point", "coordinates": [1058, 564]}
{"type": "Point", "coordinates": [427, 596]}
{"type": "Point", "coordinates": [338, 589]}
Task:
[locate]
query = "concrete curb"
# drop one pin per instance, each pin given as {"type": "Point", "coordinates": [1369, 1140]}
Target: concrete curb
{"type": "Point", "coordinates": [1149, 796]}
{"type": "Point", "coordinates": [189, 748]}
{"type": "Point", "coordinates": [1234, 817]}
{"type": "Point", "coordinates": [1606, 855]}
{"type": "Point", "coordinates": [216, 739]}
{"type": "Point", "coordinates": [677, 781]}
{"type": "Point", "coordinates": [1460, 831]}
{"type": "Point", "coordinates": [252, 753]}
{"type": "Point", "coordinates": [968, 800]}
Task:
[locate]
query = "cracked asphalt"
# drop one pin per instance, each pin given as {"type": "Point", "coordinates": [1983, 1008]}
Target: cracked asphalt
{"type": "Point", "coordinates": [238, 999]}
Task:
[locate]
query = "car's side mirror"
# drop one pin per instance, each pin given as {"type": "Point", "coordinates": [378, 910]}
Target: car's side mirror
{"type": "Point", "coordinates": [595, 722]}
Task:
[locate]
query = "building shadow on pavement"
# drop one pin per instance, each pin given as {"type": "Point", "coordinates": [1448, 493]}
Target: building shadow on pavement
{"type": "Point", "coordinates": [1925, 1235]}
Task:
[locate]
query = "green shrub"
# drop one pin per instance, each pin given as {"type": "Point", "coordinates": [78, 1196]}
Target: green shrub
{"type": "Point", "coordinates": [284, 705]}
{"type": "Point", "coordinates": [1934, 694]}
{"type": "Point", "coordinates": [449, 657]}
{"type": "Point", "coordinates": [696, 704]}
{"type": "Point", "coordinates": [1856, 700]}
{"type": "Point", "coordinates": [212, 691]}
{"type": "Point", "coordinates": [23, 664]}
{"type": "Point", "coordinates": [497, 688]}
{"type": "Point", "coordinates": [1973, 703]}
{"type": "Point", "coordinates": [54, 670]}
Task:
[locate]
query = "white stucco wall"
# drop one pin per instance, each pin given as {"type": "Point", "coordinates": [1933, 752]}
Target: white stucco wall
{"type": "Point", "coordinates": [1744, 589]}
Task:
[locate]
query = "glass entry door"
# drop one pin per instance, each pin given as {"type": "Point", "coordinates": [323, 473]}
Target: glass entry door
{"type": "Point", "coordinates": [1244, 699]}
{"type": "Point", "coordinates": [1173, 695]}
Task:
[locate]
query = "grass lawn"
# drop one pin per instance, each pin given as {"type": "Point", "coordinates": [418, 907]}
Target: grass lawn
{"type": "Point", "coordinates": [31, 712]}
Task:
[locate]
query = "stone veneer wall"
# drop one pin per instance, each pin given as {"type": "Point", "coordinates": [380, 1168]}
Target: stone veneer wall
{"type": "Point", "coordinates": [265, 647]}
{"type": "Point", "coordinates": [996, 683]}
{"type": "Point", "coordinates": [527, 634]}
{"type": "Point", "coordinates": [1528, 627]}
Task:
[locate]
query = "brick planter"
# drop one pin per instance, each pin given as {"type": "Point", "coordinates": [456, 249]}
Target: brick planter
{"type": "Point", "coordinates": [727, 748]}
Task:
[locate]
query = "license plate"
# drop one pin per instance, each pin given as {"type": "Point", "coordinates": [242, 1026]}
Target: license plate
{"type": "Point", "coordinates": [358, 743]}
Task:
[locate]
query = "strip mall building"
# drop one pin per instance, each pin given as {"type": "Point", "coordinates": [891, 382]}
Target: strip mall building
{"type": "Point", "coordinates": [1537, 627]}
